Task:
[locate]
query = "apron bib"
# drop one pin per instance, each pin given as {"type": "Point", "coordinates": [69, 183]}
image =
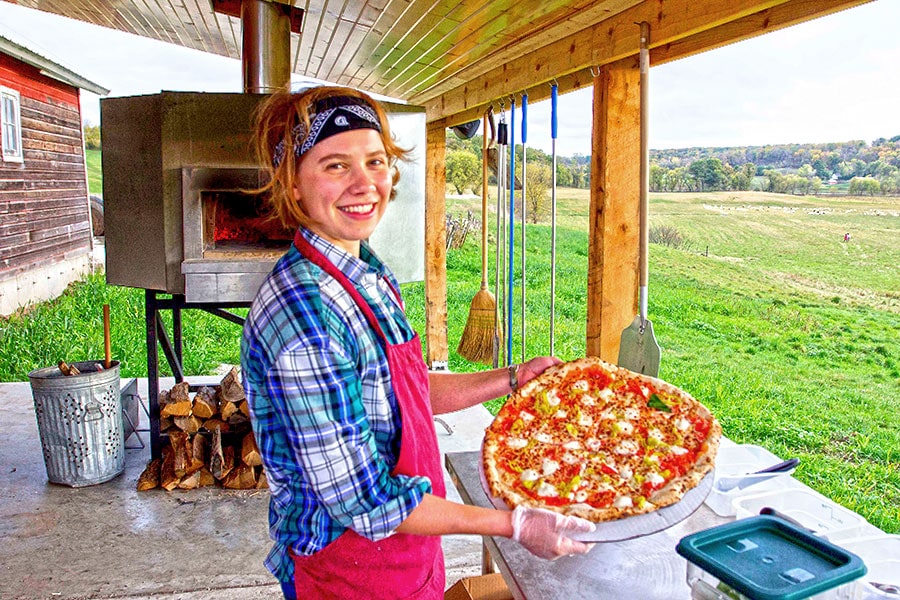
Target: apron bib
{"type": "Point", "coordinates": [402, 565]}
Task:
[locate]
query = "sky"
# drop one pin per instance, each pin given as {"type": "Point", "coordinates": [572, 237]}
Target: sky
{"type": "Point", "coordinates": [833, 79]}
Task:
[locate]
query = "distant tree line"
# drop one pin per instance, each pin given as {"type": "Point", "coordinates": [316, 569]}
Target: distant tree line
{"type": "Point", "coordinates": [91, 136]}
{"type": "Point", "coordinates": [865, 169]}
{"type": "Point", "coordinates": [856, 167]}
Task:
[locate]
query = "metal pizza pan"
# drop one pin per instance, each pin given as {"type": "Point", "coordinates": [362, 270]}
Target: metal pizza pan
{"type": "Point", "coordinates": [635, 526]}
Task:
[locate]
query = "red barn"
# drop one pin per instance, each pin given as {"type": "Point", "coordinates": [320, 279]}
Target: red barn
{"type": "Point", "coordinates": [45, 223]}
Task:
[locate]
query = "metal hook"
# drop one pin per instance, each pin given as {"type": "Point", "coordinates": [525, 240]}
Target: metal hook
{"type": "Point", "coordinates": [593, 73]}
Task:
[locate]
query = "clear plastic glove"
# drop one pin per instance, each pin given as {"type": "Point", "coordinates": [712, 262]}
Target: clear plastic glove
{"type": "Point", "coordinates": [545, 533]}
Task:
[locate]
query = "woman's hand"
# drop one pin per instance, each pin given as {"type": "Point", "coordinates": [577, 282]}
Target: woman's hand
{"type": "Point", "coordinates": [534, 367]}
{"type": "Point", "coordinates": [546, 534]}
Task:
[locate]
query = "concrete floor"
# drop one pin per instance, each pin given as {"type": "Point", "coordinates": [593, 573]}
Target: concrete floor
{"type": "Point", "coordinates": [109, 541]}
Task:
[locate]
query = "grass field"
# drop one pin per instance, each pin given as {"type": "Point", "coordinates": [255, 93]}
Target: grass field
{"type": "Point", "coordinates": [790, 335]}
{"type": "Point", "coordinates": [95, 173]}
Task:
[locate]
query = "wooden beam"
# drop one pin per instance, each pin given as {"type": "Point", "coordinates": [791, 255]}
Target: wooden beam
{"type": "Point", "coordinates": [681, 28]}
{"type": "Point", "coordinates": [436, 348]}
{"type": "Point", "coordinates": [613, 250]}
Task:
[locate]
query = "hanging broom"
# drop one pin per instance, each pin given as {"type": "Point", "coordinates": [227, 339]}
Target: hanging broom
{"type": "Point", "coordinates": [477, 341]}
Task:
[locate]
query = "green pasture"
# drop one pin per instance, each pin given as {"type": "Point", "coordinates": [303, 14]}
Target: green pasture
{"type": "Point", "coordinates": [790, 335]}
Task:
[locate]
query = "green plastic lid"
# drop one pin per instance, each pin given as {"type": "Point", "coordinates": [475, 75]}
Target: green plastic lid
{"type": "Point", "coordinates": [766, 558]}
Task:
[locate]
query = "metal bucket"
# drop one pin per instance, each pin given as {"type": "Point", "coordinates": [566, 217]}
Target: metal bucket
{"type": "Point", "coordinates": [80, 423]}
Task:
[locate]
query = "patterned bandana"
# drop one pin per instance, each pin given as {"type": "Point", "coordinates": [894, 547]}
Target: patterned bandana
{"type": "Point", "coordinates": [332, 116]}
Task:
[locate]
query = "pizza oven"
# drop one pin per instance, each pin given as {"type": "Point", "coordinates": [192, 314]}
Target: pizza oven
{"type": "Point", "coordinates": [181, 215]}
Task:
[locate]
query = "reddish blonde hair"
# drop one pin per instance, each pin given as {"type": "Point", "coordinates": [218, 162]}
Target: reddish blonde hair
{"type": "Point", "coordinates": [274, 124]}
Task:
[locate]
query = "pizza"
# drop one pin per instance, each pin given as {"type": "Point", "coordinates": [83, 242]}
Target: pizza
{"type": "Point", "coordinates": [590, 439]}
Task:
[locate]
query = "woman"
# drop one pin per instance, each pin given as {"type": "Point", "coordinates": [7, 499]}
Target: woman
{"type": "Point", "coordinates": [341, 399]}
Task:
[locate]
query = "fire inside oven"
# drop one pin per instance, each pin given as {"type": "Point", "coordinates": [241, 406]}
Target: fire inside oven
{"type": "Point", "coordinates": [237, 223]}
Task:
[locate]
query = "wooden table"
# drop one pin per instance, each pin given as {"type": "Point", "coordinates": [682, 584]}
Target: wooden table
{"type": "Point", "coordinates": [645, 568]}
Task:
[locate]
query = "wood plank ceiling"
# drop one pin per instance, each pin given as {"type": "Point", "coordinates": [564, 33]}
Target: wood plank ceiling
{"type": "Point", "coordinates": [456, 56]}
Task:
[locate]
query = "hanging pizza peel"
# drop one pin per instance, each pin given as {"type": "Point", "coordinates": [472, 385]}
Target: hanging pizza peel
{"type": "Point", "coordinates": [638, 348]}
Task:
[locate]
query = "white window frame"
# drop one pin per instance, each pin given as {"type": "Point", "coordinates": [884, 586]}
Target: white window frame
{"type": "Point", "coordinates": [11, 125]}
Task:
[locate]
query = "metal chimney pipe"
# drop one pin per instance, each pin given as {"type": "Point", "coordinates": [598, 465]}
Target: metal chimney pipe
{"type": "Point", "coordinates": [266, 45]}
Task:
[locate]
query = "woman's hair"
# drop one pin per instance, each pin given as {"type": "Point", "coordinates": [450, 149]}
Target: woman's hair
{"type": "Point", "coordinates": [282, 123]}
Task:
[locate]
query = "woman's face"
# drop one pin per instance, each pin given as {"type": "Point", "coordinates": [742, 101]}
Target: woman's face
{"type": "Point", "coordinates": [344, 185]}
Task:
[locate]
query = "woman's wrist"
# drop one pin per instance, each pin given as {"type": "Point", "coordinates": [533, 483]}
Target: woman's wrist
{"type": "Point", "coordinates": [513, 372]}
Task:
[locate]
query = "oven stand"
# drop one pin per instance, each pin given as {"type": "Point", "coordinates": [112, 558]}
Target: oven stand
{"type": "Point", "coordinates": [157, 336]}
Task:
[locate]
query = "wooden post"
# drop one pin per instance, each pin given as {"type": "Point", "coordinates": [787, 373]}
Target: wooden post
{"type": "Point", "coordinates": [436, 348]}
{"type": "Point", "coordinates": [613, 253]}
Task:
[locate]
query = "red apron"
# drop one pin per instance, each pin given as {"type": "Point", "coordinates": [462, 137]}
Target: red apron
{"type": "Point", "coordinates": [402, 565]}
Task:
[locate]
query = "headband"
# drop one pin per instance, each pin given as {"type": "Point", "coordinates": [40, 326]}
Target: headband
{"type": "Point", "coordinates": [332, 116]}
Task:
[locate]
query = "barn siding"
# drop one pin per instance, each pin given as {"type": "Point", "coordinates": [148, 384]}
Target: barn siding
{"type": "Point", "coordinates": [45, 231]}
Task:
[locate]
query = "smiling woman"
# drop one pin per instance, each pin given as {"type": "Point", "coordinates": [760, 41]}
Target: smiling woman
{"type": "Point", "coordinates": [341, 399]}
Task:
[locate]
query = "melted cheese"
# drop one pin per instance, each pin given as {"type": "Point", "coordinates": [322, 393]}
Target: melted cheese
{"type": "Point", "coordinates": [561, 414]}
{"type": "Point", "coordinates": [552, 398]}
{"type": "Point", "coordinates": [632, 414]}
{"type": "Point", "coordinates": [529, 475]}
{"type": "Point", "coordinates": [625, 427]}
{"type": "Point", "coordinates": [549, 467]}
{"type": "Point", "coordinates": [655, 479]}
{"type": "Point", "coordinates": [573, 445]}
{"type": "Point", "coordinates": [516, 443]}
{"type": "Point", "coordinates": [677, 450]}
{"type": "Point", "coordinates": [546, 490]}
{"type": "Point", "coordinates": [623, 502]}
{"type": "Point", "coordinates": [570, 459]}
{"type": "Point", "coordinates": [682, 424]}
{"type": "Point", "coordinates": [593, 444]}
{"type": "Point", "coordinates": [544, 438]}
{"type": "Point", "coordinates": [585, 420]}
{"type": "Point", "coordinates": [581, 385]}
{"type": "Point", "coordinates": [581, 496]}
{"type": "Point", "coordinates": [526, 416]}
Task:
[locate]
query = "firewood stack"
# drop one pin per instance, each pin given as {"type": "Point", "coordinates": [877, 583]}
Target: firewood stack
{"type": "Point", "coordinates": [210, 441]}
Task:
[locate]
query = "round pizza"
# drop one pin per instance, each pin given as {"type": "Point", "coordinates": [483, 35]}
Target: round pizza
{"type": "Point", "coordinates": [590, 439]}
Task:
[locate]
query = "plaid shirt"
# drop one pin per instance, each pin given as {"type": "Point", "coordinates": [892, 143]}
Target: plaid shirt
{"type": "Point", "coordinates": [323, 412]}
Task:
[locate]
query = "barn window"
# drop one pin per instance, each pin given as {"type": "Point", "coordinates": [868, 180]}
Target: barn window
{"type": "Point", "coordinates": [11, 125]}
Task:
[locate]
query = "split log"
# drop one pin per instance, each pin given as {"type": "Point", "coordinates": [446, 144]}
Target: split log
{"type": "Point", "coordinates": [166, 423]}
{"type": "Point", "coordinates": [198, 453]}
{"type": "Point", "coordinates": [181, 451]}
{"type": "Point", "coordinates": [227, 409]}
{"type": "Point", "coordinates": [250, 451]}
{"type": "Point", "coordinates": [188, 424]}
{"type": "Point", "coordinates": [230, 389]}
{"type": "Point", "coordinates": [178, 401]}
{"type": "Point", "coordinates": [205, 403]}
{"type": "Point", "coordinates": [211, 425]}
{"type": "Point", "coordinates": [149, 479]}
{"type": "Point", "coordinates": [242, 477]}
{"type": "Point", "coordinates": [68, 369]}
{"type": "Point", "coordinates": [239, 421]}
{"type": "Point", "coordinates": [167, 477]}
{"type": "Point", "coordinates": [206, 478]}
{"type": "Point", "coordinates": [262, 482]}
{"type": "Point", "coordinates": [228, 460]}
{"type": "Point", "coordinates": [190, 482]}
{"type": "Point", "coordinates": [244, 407]}
{"type": "Point", "coordinates": [217, 463]}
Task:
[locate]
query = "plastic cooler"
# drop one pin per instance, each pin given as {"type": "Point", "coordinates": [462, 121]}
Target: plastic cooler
{"type": "Point", "coordinates": [881, 553]}
{"type": "Point", "coordinates": [809, 508]}
{"type": "Point", "coordinates": [765, 558]}
{"type": "Point", "coordinates": [741, 459]}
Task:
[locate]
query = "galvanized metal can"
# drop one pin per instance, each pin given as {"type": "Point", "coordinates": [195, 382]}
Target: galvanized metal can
{"type": "Point", "coordinates": [80, 423]}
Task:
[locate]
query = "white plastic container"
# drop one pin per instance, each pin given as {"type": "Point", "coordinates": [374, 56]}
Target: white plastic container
{"type": "Point", "coordinates": [809, 508]}
{"type": "Point", "coordinates": [741, 459]}
{"type": "Point", "coordinates": [881, 553]}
